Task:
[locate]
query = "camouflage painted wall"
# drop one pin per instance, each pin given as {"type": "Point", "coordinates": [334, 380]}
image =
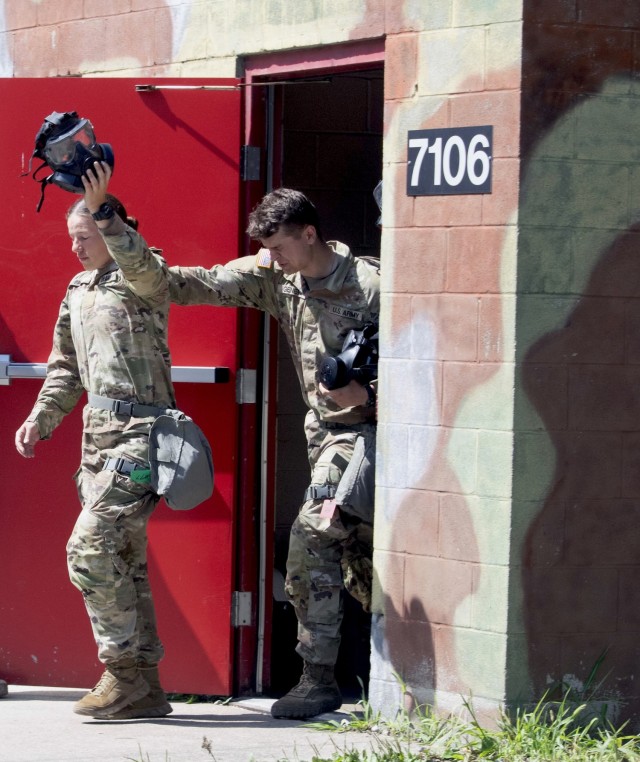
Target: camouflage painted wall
{"type": "Point", "coordinates": [507, 487]}
{"type": "Point", "coordinates": [444, 494]}
{"type": "Point", "coordinates": [576, 485]}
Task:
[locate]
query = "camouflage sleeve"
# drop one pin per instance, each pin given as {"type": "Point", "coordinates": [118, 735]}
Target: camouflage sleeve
{"type": "Point", "coordinates": [235, 284]}
{"type": "Point", "coordinates": [143, 270]}
{"type": "Point", "coordinates": [370, 281]}
{"type": "Point", "coordinates": [62, 387]}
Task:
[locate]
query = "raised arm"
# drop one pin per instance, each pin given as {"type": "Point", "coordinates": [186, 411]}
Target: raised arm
{"type": "Point", "coordinates": [142, 268]}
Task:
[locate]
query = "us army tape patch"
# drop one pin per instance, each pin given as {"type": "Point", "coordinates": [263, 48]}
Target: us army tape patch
{"type": "Point", "coordinates": [346, 313]}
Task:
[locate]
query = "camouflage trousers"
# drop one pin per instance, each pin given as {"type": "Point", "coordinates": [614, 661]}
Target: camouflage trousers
{"type": "Point", "coordinates": [330, 547]}
{"type": "Point", "coordinates": [107, 550]}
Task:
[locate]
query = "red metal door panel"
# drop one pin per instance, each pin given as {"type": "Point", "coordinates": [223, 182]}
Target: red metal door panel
{"type": "Point", "coordinates": [176, 169]}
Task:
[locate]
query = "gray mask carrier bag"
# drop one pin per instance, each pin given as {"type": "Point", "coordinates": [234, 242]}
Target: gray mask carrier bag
{"type": "Point", "coordinates": [180, 460]}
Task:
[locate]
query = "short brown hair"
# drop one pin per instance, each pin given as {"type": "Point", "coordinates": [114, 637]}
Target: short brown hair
{"type": "Point", "coordinates": [285, 208]}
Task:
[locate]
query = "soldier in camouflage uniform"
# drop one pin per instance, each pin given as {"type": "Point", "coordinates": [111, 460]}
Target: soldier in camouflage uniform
{"type": "Point", "coordinates": [317, 291]}
{"type": "Point", "coordinates": [110, 339]}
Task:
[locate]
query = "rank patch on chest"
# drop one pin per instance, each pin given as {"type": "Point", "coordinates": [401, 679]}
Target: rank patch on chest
{"type": "Point", "coordinates": [346, 313]}
{"type": "Point", "coordinates": [263, 259]}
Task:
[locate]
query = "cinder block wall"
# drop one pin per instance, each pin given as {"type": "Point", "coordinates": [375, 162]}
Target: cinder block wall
{"type": "Point", "coordinates": [446, 416]}
{"type": "Point", "coordinates": [576, 484]}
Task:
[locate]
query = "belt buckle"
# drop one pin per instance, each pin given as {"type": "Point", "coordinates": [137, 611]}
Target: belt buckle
{"type": "Point", "coordinates": [121, 407]}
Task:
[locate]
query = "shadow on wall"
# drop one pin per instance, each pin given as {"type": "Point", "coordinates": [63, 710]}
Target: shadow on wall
{"type": "Point", "coordinates": [581, 555]}
{"type": "Point", "coordinates": [577, 455]}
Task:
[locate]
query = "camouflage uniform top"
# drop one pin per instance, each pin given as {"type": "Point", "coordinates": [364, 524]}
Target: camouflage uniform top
{"type": "Point", "coordinates": [110, 339]}
{"type": "Point", "coordinates": [315, 322]}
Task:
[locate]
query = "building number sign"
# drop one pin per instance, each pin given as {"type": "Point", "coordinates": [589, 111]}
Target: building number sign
{"type": "Point", "coordinates": [450, 161]}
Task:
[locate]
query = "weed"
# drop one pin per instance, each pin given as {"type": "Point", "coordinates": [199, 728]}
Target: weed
{"type": "Point", "coordinates": [553, 731]}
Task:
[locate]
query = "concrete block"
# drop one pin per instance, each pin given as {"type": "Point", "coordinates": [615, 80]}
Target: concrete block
{"type": "Point", "coordinates": [438, 590]}
{"type": "Point", "coordinates": [481, 662]}
{"type": "Point", "coordinates": [504, 57]}
{"type": "Point", "coordinates": [414, 15]}
{"type": "Point", "coordinates": [50, 14]}
{"type": "Point", "coordinates": [474, 13]}
{"type": "Point", "coordinates": [473, 260]}
{"type": "Point", "coordinates": [455, 319]}
{"type": "Point", "coordinates": [452, 61]}
{"type": "Point", "coordinates": [490, 599]}
{"type": "Point", "coordinates": [568, 194]}
{"type": "Point", "coordinates": [456, 534]}
{"type": "Point", "coordinates": [539, 316]}
{"type": "Point", "coordinates": [37, 53]}
{"type": "Point", "coordinates": [395, 328]}
{"type": "Point", "coordinates": [492, 520]}
{"type": "Point", "coordinates": [419, 261]}
{"type": "Point", "coordinates": [495, 464]}
{"type": "Point", "coordinates": [392, 455]}
{"type": "Point", "coordinates": [461, 449]}
{"type": "Point", "coordinates": [19, 16]}
{"type": "Point", "coordinates": [534, 464]}
{"type": "Point", "coordinates": [412, 388]}
{"type": "Point", "coordinates": [401, 66]}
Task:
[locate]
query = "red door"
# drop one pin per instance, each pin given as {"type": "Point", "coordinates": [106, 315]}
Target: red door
{"type": "Point", "coordinates": [177, 170]}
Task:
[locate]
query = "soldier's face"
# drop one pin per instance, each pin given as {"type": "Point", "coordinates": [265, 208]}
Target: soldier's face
{"type": "Point", "coordinates": [291, 249]}
{"type": "Point", "coordinates": [87, 243]}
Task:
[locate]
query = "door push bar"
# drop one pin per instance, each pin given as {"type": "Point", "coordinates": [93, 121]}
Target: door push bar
{"type": "Point", "coordinates": [182, 373]}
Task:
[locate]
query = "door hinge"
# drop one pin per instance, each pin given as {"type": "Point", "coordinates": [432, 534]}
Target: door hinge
{"type": "Point", "coordinates": [250, 163]}
{"type": "Point", "coordinates": [240, 609]}
{"type": "Point", "coordinates": [246, 386]}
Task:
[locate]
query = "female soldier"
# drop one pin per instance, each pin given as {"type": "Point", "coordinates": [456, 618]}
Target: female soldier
{"type": "Point", "coordinates": [111, 340]}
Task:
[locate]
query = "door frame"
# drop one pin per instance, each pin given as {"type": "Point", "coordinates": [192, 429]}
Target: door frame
{"type": "Point", "coordinates": [261, 128]}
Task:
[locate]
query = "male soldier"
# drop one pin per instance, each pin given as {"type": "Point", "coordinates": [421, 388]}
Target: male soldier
{"type": "Point", "coordinates": [318, 291]}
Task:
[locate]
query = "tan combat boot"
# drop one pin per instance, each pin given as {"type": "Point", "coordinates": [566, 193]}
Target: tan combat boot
{"type": "Point", "coordinates": [121, 684]}
{"type": "Point", "coordinates": [316, 693]}
{"type": "Point", "coordinates": [154, 704]}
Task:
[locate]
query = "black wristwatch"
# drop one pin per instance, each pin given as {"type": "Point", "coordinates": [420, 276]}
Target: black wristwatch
{"type": "Point", "coordinates": [105, 212]}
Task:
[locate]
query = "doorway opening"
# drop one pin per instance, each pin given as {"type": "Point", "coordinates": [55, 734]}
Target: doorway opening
{"type": "Point", "coordinates": [324, 134]}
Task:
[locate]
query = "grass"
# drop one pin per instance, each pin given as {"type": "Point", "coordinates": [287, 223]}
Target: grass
{"type": "Point", "coordinates": [569, 724]}
{"type": "Point", "coordinates": [553, 731]}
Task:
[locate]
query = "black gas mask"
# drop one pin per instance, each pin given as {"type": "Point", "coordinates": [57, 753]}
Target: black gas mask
{"type": "Point", "coordinates": [66, 144]}
{"type": "Point", "coordinates": [357, 361]}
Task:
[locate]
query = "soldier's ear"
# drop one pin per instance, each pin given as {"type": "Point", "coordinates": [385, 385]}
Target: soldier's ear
{"type": "Point", "coordinates": [309, 234]}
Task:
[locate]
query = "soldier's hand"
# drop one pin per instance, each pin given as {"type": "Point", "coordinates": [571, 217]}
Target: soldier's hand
{"type": "Point", "coordinates": [351, 395]}
{"type": "Point", "coordinates": [95, 182]}
{"type": "Point", "coordinates": [27, 436]}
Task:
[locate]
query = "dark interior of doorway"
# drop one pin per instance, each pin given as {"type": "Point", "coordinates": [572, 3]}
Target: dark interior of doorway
{"type": "Point", "coordinates": [331, 149]}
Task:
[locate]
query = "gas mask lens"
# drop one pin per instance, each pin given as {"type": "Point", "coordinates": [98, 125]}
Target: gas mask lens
{"type": "Point", "coordinates": [62, 150]}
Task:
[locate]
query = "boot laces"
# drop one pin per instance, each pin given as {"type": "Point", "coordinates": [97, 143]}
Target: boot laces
{"type": "Point", "coordinates": [307, 681]}
{"type": "Point", "coordinates": [104, 684]}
